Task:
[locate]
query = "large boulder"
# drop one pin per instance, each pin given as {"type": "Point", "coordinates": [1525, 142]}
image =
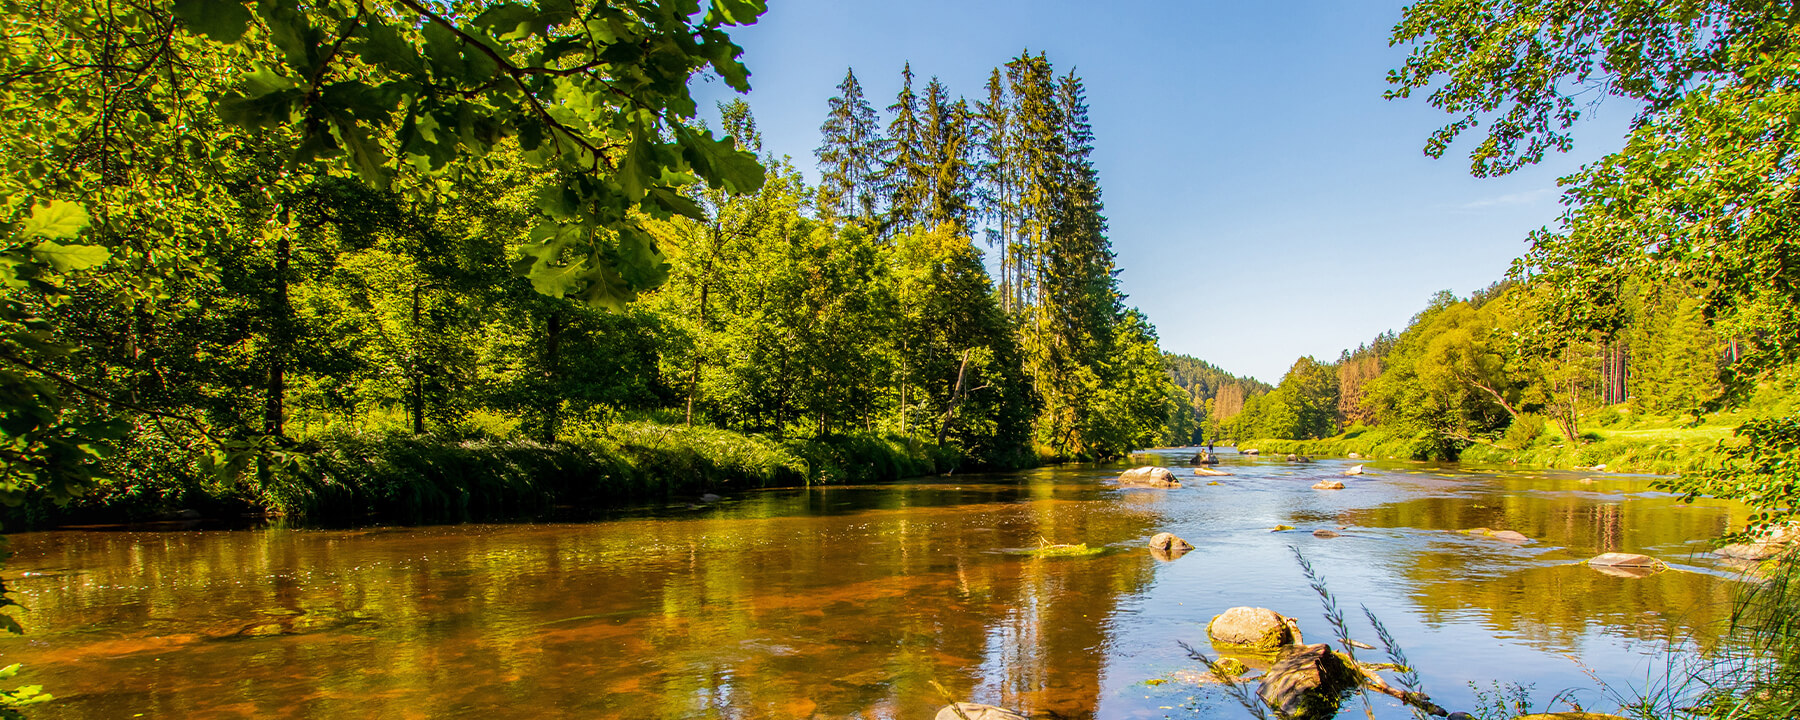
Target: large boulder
{"type": "Point", "coordinates": [1204, 458]}
{"type": "Point", "coordinates": [1254, 629]}
{"type": "Point", "coordinates": [1149, 476]}
{"type": "Point", "coordinates": [1355, 470]}
{"type": "Point", "coordinates": [976, 711]}
{"type": "Point", "coordinates": [1308, 682]}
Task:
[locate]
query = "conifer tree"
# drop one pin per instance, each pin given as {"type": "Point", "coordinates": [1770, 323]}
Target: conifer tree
{"type": "Point", "coordinates": [949, 185]}
{"type": "Point", "coordinates": [850, 153]}
{"type": "Point", "coordinates": [904, 176]}
{"type": "Point", "coordinates": [1078, 257]}
{"type": "Point", "coordinates": [1038, 152]}
{"type": "Point", "coordinates": [995, 187]}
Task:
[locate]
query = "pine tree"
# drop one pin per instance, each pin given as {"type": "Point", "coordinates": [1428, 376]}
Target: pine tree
{"type": "Point", "coordinates": [904, 176]}
{"type": "Point", "coordinates": [850, 153]}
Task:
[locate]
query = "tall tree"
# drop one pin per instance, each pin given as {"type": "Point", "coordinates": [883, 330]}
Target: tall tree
{"type": "Point", "coordinates": [950, 185]}
{"type": "Point", "coordinates": [905, 173]}
{"type": "Point", "coordinates": [850, 153]}
{"type": "Point", "coordinates": [996, 187]}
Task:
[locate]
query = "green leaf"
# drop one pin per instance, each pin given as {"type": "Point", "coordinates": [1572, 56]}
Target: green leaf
{"type": "Point", "coordinates": [735, 12]}
{"type": "Point", "coordinates": [662, 201]}
{"type": "Point", "coordinates": [720, 162]}
{"type": "Point", "coordinates": [222, 20]}
{"type": "Point", "coordinates": [59, 220]}
{"type": "Point", "coordinates": [67, 258]}
{"type": "Point", "coordinates": [510, 21]}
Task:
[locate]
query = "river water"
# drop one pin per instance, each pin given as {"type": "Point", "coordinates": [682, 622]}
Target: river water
{"type": "Point", "coordinates": [862, 601]}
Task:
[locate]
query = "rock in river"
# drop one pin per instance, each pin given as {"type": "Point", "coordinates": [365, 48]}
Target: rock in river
{"type": "Point", "coordinates": [1168, 542]}
{"type": "Point", "coordinates": [1509, 536]}
{"type": "Point", "coordinates": [1355, 470]}
{"type": "Point", "coordinates": [1325, 534]}
{"type": "Point", "coordinates": [1308, 682]}
{"type": "Point", "coordinates": [1253, 628]}
{"type": "Point", "coordinates": [1148, 476]}
{"type": "Point", "coordinates": [976, 711]}
{"type": "Point", "coordinates": [1328, 485]}
{"type": "Point", "coordinates": [1209, 472]}
{"type": "Point", "coordinates": [1614, 559]}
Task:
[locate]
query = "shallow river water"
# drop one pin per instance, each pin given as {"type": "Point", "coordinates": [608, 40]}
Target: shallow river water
{"type": "Point", "coordinates": [861, 601]}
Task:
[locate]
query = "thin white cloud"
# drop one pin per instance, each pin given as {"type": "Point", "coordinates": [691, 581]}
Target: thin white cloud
{"type": "Point", "coordinates": [1519, 198]}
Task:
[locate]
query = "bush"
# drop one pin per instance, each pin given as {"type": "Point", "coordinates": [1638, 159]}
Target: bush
{"type": "Point", "coordinates": [1523, 431]}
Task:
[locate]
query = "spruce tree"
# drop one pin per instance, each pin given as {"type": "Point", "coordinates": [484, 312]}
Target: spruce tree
{"type": "Point", "coordinates": [949, 184]}
{"type": "Point", "coordinates": [904, 176]}
{"type": "Point", "coordinates": [995, 189]}
{"type": "Point", "coordinates": [1038, 152]}
{"type": "Point", "coordinates": [850, 153]}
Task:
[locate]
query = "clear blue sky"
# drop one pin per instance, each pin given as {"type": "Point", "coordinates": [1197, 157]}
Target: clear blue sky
{"type": "Point", "coordinates": [1265, 202]}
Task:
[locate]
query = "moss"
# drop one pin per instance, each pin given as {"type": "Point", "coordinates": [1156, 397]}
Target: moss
{"type": "Point", "coordinates": [1057, 551]}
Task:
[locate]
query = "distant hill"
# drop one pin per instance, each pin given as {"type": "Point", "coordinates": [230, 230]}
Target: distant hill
{"type": "Point", "coordinates": [1216, 395]}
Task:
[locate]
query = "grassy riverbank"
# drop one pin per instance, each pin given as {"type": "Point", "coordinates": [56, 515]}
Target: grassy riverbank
{"type": "Point", "coordinates": [347, 477]}
{"type": "Point", "coordinates": [1621, 442]}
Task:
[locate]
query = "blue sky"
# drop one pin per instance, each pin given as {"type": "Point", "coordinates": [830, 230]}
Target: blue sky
{"type": "Point", "coordinates": [1265, 202]}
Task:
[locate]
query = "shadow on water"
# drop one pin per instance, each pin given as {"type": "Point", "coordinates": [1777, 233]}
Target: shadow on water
{"type": "Point", "coordinates": [852, 601]}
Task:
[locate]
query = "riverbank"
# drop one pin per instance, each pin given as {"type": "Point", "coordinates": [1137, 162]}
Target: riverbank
{"type": "Point", "coordinates": [355, 478]}
{"type": "Point", "coordinates": [801, 597]}
{"type": "Point", "coordinates": [1657, 446]}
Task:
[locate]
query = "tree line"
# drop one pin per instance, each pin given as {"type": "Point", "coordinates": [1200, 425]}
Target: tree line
{"type": "Point", "coordinates": [242, 234]}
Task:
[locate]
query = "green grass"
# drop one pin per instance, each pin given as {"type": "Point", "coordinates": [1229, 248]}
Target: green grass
{"type": "Point", "coordinates": [348, 477]}
{"type": "Point", "coordinates": [1655, 445]}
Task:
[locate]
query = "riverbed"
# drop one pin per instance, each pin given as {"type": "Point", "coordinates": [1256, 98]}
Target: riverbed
{"type": "Point", "coordinates": [873, 601]}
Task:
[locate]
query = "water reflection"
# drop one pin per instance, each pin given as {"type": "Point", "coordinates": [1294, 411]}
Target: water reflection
{"type": "Point", "coordinates": [849, 601]}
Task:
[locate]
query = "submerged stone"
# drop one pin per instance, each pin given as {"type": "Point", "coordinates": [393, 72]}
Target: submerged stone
{"type": "Point", "coordinates": [1328, 485]}
{"type": "Point", "coordinates": [976, 711]}
{"type": "Point", "coordinates": [1509, 536]}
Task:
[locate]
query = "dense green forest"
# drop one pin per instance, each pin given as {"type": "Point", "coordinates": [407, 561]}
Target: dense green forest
{"type": "Point", "coordinates": [332, 261]}
{"type": "Point", "coordinates": [1472, 377]}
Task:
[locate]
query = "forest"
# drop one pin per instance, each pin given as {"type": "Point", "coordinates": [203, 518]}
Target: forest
{"type": "Point", "coordinates": [408, 262]}
{"type": "Point", "coordinates": [404, 271]}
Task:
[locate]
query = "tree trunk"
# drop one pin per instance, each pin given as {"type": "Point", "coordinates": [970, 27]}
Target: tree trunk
{"type": "Point", "coordinates": [418, 378]}
{"type": "Point", "coordinates": [694, 376]}
{"type": "Point", "coordinates": [956, 397]}
{"type": "Point", "coordinates": [280, 339]}
{"type": "Point", "coordinates": [552, 394]}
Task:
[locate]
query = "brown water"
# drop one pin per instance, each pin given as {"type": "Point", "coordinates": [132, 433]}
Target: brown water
{"type": "Point", "coordinates": [852, 601]}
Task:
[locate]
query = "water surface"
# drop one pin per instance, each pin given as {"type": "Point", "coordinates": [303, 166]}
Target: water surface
{"type": "Point", "coordinates": [853, 601]}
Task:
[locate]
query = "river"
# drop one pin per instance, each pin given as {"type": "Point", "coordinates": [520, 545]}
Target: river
{"type": "Point", "coordinates": [862, 601]}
